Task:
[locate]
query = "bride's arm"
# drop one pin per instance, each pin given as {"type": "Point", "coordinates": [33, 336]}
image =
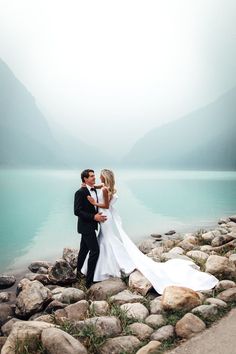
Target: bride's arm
{"type": "Point", "coordinates": [106, 203]}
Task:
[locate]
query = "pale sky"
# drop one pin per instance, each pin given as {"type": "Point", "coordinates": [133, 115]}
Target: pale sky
{"type": "Point", "coordinates": [109, 71]}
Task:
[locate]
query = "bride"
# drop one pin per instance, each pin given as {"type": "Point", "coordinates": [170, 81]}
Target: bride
{"type": "Point", "coordinates": [118, 254]}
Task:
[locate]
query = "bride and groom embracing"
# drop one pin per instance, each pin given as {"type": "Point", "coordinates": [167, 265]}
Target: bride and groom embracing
{"type": "Point", "coordinates": [106, 250]}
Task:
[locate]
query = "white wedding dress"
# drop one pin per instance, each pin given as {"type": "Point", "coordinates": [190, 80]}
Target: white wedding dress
{"type": "Point", "coordinates": [119, 254]}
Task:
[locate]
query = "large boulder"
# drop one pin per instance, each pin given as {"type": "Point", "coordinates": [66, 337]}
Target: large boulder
{"type": "Point", "coordinates": [118, 345]}
{"type": "Point", "coordinates": [70, 255]}
{"type": "Point", "coordinates": [56, 341]}
{"type": "Point", "coordinates": [77, 311]}
{"type": "Point", "coordinates": [6, 281]}
{"type": "Point", "coordinates": [106, 288]}
{"type": "Point", "coordinates": [189, 325]}
{"type": "Point", "coordinates": [22, 331]}
{"type": "Point", "coordinates": [7, 327]}
{"type": "Point", "coordinates": [107, 326]}
{"type": "Point", "coordinates": [218, 265]}
{"type": "Point", "coordinates": [32, 298]}
{"type": "Point", "coordinates": [138, 282]}
{"type": "Point", "coordinates": [177, 298]}
{"type": "Point", "coordinates": [68, 295]}
{"type": "Point", "coordinates": [61, 273]}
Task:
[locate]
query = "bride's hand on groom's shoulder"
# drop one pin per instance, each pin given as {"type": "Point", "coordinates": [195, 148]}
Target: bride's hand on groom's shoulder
{"type": "Point", "coordinates": [91, 200]}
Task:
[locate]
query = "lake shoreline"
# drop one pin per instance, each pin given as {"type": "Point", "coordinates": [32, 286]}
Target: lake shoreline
{"type": "Point", "coordinates": [126, 311]}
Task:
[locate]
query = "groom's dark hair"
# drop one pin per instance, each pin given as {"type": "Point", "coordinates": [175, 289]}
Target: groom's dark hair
{"type": "Point", "coordinates": [85, 174]}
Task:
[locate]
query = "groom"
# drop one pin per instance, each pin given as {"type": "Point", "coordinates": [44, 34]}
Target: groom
{"type": "Point", "coordinates": [88, 219]}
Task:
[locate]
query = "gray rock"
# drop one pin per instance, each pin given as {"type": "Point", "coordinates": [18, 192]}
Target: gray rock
{"type": "Point", "coordinates": [32, 298]}
{"type": "Point", "coordinates": [155, 321]}
{"type": "Point", "coordinates": [70, 255]}
{"type": "Point", "coordinates": [7, 327]}
{"type": "Point", "coordinates": [126, 296]}
{"type": "Point", "coordinates": [163, 333]}
{"type": "Point", "coordinates": [138, 282]}
{"type": "Point", "coordinates": [6, 312]}
{"type": "Point", "coordinates": [2, 342]}
{"type": "Point", "coordinates": [135, 310]}
{"type": "Point", "coordinates": [156, 306]}
{"type": "Point", "coordinates": [150, 348]}
{"type": "Point", "coordinates": [177, 250]}
{"type": "Point", "coordinates": [61, 273]}
{"type": "Point", "coordinates": [205, 310]}
{"type": "Point", "coordinates": [35, 266]}
{"type": "Point", "coordinates": [225, 284]}
{"type": "Point", "coordinates": [71, 295]}
{"type": "Point", "coordinates": [141, 330]}
{"type": "Point", "coordinates": [217, 302]}
{"type": "Point", "coordinates": [107, 326]}
{"type": "Point", "coordinates": [171, 232]}
{"type": "Point", "coordinates": [4, 297]}
{"type": "Point", "coordinates": [210, 235]}
{"type": "Point", "coordinates": [228, 295]}
{"type": "Point", "coordinates": [198, 255]}
{"type": "Point", "coordinates": [22, 330]}
{"type": "Point", "coordinates": [218, 265]}
{"type": "Point", "coordinates": [118, 345]}
{"type": "Point", "coordinates": [221, 240]}
{"type": "Point", "coordinates": [99, 308]}
{"type": "Point", "coordinates": [157, 236]}
{"type": "Point", "coordinates": [106, 288]}
{"type": "Point", "coordinates": [232, 258]}
{"type": "Point", "coordinates": [147, 245]}
{"type": "Point", "coordinates": [77, 311]}
{"type": "Point", "coordinates": [6, 281]}
{"type": "Point", "coordinates": [232, 218]}
{"type": "Point", "coordinates": [189, 325]}
{"type": "Point", "coordinates": [55, 305]}
{"type": "Point", "coordinates": [56, 341]}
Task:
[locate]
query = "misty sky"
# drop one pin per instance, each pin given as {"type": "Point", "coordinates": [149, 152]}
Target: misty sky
{"type": "Point", "coordinates": [109, 71]}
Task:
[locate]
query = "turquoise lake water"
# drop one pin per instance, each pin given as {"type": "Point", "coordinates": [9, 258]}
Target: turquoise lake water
{"type": "Point", "coordinates": [37, 220]}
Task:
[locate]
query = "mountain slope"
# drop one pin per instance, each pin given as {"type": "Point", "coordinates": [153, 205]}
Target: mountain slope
{"type": "Point", "coordinates": [26, 139]}
{"type": "Point", "coordinates": [204, 139]}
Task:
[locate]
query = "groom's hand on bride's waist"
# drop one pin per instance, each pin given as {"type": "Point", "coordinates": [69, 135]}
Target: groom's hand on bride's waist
{"type": "Point", "coordinates": [99, 217]}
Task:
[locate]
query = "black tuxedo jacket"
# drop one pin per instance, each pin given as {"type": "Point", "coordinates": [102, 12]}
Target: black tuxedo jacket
{"type": "Point", "coordinates": [85, 212]}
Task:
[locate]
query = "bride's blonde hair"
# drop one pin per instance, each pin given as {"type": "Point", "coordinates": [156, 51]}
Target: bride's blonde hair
{"type": "Point", "coordinates": [109, 180]}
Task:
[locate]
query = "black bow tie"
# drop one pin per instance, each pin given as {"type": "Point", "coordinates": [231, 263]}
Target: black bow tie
{"type": "Point", "coordinates": [93, 189]}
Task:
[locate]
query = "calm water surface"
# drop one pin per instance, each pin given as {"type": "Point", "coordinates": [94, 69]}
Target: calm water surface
{"type": "Point", "coordinates": [37, 220]}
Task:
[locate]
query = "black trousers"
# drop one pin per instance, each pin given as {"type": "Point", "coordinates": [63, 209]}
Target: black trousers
{"type": "Point", "coordinates": [89, 244]}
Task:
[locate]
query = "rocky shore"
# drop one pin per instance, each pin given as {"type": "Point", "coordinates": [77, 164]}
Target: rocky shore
{"type": "Point", "coordinates": [50, 312]}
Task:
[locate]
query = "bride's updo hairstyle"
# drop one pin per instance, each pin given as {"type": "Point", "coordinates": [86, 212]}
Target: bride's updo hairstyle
{"type": "Point", "coordinates": [109, 180]}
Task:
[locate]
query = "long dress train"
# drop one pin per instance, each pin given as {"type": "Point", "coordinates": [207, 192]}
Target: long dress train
{"type": "Point", "coordinates": [119, 254]}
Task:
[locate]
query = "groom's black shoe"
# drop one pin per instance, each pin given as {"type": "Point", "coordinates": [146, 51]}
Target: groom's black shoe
{"type": "Point", "coordinates": [79, 275]}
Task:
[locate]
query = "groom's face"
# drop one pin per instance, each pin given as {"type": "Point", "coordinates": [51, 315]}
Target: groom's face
{"type": "Point", "coordinates": [91, 179]}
